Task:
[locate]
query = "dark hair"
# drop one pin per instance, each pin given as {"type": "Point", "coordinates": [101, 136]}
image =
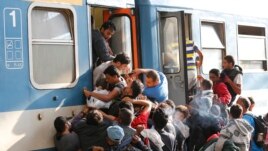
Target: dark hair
{"type": "Point", "coordinates": [126, 116]}
{"type": "Point", "coordinates": [245, 102]}
{"type": "Point", "coordinates": [136, 88]}
{"type": "Point", "coordinates": [236, 111]}
{"type": "Point", "coordinates": [102, 83]}
{"type": "Point", "coordinates": [215, 71]}
{"type": "Point", "coordinates": [59, 124]}
{"type": "Point", "coordinates": [206, 84]}
{"type": "Point", "coordinates": [183, 109]}
{"type": "Point", "coordinates": [229, 59]}
{"type": "Point", "coordinates": [108, 25]}
{"type": "Point", "coordinates": [251, 100]}
{"type": "Point", "coordinates": [160, 119]}
{"type": "Point", "coordinates": [94, 117]}
{"type": "Point", "coordinates": [126, 105]}
{"type": "Point", "coordinates": [170, 103]}
{"type": "Point", "coordinates": [112, 71]}
{"type": "Point", "coordinates": [122, 58]}
{"type": "Point", "coordinates": [153, 75]}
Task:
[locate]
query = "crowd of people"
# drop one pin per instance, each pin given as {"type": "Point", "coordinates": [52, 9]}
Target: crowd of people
{"type": "Point", "coordinates": [124, 114]}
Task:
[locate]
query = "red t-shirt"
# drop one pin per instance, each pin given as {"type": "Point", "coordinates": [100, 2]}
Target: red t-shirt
{"type": "Point", "coordinates": [141, 119]}
{"type": "Point", "coordinates": [223, 93]}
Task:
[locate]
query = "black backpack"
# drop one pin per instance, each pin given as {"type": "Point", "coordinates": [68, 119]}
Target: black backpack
{"type": "Point", "coordinates": [260, 130]}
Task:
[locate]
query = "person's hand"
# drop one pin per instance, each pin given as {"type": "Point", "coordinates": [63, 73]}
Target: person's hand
{"type": "Point", "coordinates": [97, 148]}
{"type": "Point", "coordinates": [135, 139]}
{"type": "Point", "coordinates": [139, 128]}
{"type": "Point", "coordinates": [127, 99]}
{"type": "Point", "coordinates": [200, 77]}
{"type": "Point", "coordinates": [137, 72]}
{"type": "Point", "coordinates": [227, 79]}
{"type": "Point", "coordinates": [86, 92]}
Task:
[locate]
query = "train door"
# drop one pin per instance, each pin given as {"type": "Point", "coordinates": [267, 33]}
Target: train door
{"type": "Point", "coordinates": [173, 58]}
{"type": "Point", "coordinates": [125, 38]}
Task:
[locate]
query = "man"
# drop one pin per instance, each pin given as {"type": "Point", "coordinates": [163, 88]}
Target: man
{"type": "Point", "coordinates": [232, 77]}
{"type": "Point", "coordinates": [156, 85]}
{"type": "Point", "coordinates": [245, 103]}
{"type": "Point", "coordinates": [101, 49]}
{"type": "Point", "coordinates": [192, 64]}
{"type": "Point", "coordinates": [121, 62]}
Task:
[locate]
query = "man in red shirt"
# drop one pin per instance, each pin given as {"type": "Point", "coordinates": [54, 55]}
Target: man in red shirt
{"type": "Point", "coordinates": [219, 87]}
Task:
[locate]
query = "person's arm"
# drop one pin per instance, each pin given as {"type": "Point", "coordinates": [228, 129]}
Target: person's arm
{"type": "Point", "coordinates": [200, 61]}
{"type": "Point", "coordinates": [107, 116]}
{"type": "Point", "coordinates": [140, 70]}
{"type": "Point", "coordinates": [103, 97]}
{"type": "Point", "coordinates": [235, 86]}
{"type": "Point", "coordinates": [145, 103]}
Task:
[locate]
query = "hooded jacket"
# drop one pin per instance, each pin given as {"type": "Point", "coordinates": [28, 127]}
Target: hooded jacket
{"type": "Point", "coordinates": [238, 131]}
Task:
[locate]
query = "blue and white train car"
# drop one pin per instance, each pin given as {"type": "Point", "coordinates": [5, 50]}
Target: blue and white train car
{"type": "Point", "coordinates": [218, 28]}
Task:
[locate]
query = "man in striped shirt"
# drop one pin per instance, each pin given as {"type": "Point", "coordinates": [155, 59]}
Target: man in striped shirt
{"type": "Point", "coordinates": [193, 65]}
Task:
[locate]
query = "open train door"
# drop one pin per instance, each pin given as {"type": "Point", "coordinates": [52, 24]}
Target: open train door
{"type": "Point", "coordinates": [125, 37]}
{"type": "Point", "coordinates": [173, 54]}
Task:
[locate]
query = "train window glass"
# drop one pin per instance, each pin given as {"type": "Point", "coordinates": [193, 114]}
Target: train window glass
{"type": "Point", "coordinates": [251, 48]}
{"type": "Point", "coordinates": [121, 40]}
{"type": "Point", "coordinates": [53, 54]}
{"type": "Point", "coordinates": [211, 37]}
{"type": "Point", "coordinates": [214, 61]}
{"type": "Point", "coordinates": [213, 45]}
{"type": "Point", "coordinates": [170, 52]}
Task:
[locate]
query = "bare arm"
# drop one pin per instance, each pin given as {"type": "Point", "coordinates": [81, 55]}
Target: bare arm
{"type": "Point", "coordinates": [235, 87]}
{"type": "Point", "coordinates": [200, 62]}
{"type": "Point", "coordinates": [107, 116]}
{"type": "Point", "coordinates": [146, 103]}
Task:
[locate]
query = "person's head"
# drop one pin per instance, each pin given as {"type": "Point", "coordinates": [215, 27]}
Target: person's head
{"type": "Point", "coordinates": [115, 135]}
{"type": "Point", "coordinates": [168, 107]}
{"type": "Point", "coordinates": [121, 61]}
{"type": "Point", "coordinates": [125, 117]}
{"type": "Point", "coordinates": [112, 75]}
{"type": "Point", "coordinates": [206, 84]}
{"type": "Point", "coordinates": [244, 102]}
{"type": "Point", "coordinates": [160, 119]}
{"type": "Point", "coordinates": [181, 112]}
{"type": "Point", "coordinates": [152, 78]}
{"type": "Point", "coordinates": [228, 62]}
{"type": "Point", "coordinates": [107, 29]}
{"type": "Point", "coordinates": [236, 111]}
{"type": "Point", "coordinates": [126, 105]}
{"type": "Point", "coordinates": [252, 103]}
{"type": "Point", "coordinates": [214, 75]}
{"type": "Point", "coordinates": [94, 117]}
{"type": "Point", "coordinates": [61, 124]}
{"type": "Point", "coordinates": [134, 89]}
{"type": "Point", "coordinates": [102, 83]}
{"type": "Point", "coordinates": [96, 148]}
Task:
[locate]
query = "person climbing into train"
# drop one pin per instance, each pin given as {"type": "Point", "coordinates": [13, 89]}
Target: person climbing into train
{"type": "Point", "coordinates": [193, 65]}
{"type": "Point", "coordinates": [232, 76]}
{"type": "Point", "coordinates": [100, 46]}
{"type": "Point", "coordinates": [113, 78]}
{"type": "Point", "coordinates": [156, 85]}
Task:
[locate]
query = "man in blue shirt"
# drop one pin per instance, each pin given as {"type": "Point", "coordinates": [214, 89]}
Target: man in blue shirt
{"type": "Point", "coordinates": [156, 85]}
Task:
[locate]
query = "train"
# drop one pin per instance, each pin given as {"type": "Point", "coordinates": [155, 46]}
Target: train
{"type": "Point", "coordinates": [46, 54]}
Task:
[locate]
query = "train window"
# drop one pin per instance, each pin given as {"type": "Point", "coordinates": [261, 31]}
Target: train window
{"type": "Point", "coordinates": [213, 45]}
{"type": "Point", "coordinates": [170, 52]}
{"type": "Point", "coordinates": [251, 48]}
{"type": "Point", "coordinates": [52, 48]}
{"type": "Point", "coordinates": [121, 40]}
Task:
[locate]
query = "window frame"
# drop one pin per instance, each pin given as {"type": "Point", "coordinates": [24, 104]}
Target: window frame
{"type": "Point", "coordinates": [264, 61]}
{"type": "Point", "coordinates": [223, 32]}
{"type": "Point", "coordinates": [47, 41]}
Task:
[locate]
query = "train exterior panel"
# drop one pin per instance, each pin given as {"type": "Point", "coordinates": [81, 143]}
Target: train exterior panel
{"type": "Point", "coordinates": [27, 112]}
